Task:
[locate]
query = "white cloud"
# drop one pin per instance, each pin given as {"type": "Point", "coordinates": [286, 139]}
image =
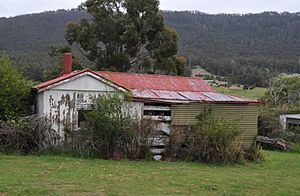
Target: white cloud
{"type": "Point", "coordinates": [17, 7]}
{"type": "Point", "coordinates": [232, 6]}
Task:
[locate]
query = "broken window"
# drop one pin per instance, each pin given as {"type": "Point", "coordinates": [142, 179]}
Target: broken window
{"type": "Point", "coordinates": [82, 117]}
{"type": "Point", "coordinates": [293, 124]}
{"type": "Point", "coordinates": [157, 109]}
{"type": "Point", "coordinates": [157, 113]}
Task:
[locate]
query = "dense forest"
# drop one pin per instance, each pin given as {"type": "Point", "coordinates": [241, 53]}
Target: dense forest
{"type": "Point", "coordinates": [27, 39]}
{"type": "Point", "coordinates": [244, 48]}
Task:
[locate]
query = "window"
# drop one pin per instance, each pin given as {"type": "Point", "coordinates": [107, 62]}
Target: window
{"type": "Point", "coordinates": [157, 109]}
{"type": "Point", "coordinates": [82, 117]}
{"type": "Point", "coordinates": [293, 124]}
{"type": "Point", "coordinates": [157, 113]}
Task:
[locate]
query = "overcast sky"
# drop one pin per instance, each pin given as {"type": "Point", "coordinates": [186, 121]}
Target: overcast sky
{"type": "Point", "coordinates": [17, 7]}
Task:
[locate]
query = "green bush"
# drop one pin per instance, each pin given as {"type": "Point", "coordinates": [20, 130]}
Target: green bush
{"type": "Point", "coordinates": [113, 130]}
{"type": "Point", "coordinates": [15, 97]}
{"type": "Point", "coordinates": [291, 136]}
{"type": "Point", "coordinates": [212, 140]}
{"type": "Point", "coordinates": [268, 124]}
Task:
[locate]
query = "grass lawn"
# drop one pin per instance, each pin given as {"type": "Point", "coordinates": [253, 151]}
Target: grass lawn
{"type": "Point", "coordinates": [256, 93]}
{"type": "Point", "coordinates": [33, 175]}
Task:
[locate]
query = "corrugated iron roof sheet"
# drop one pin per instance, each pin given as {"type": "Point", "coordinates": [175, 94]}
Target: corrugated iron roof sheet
{"type": "Point", "coordinates": [157, 82]}
{"type": "Point", "coordinates": [159, 88]}
{"type": "Point", "coordinates": [186, 96]}
{"type": "Point", "coordinates": [158, 94]}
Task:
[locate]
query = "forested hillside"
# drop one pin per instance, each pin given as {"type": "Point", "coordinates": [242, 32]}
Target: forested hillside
{"type": "Point", "coordinates": [27, 38]}
{"type": "Point", "coordinates": [245, 48]}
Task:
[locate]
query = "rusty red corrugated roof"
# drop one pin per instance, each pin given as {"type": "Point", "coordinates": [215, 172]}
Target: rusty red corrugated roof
{"type": "Point", "coordinates": [157, 82]}
{"type": "Point", "coordinates": [160, 87]}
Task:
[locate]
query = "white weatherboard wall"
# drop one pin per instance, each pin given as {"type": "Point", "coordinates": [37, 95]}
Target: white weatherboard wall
{"type": "Point", "coordinates": [60, 103]}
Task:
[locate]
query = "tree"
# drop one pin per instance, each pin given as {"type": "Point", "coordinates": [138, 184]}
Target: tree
{"type": "Point", "coordinates": [14, 91]}
{"type": "Point", "coordinates": [125, 34]}
{"type": "Point", "coordinates": [285, 89]}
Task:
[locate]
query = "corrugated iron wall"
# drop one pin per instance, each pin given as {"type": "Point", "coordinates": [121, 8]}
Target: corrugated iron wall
{"type": "Point", "coordinates": [245, 115]}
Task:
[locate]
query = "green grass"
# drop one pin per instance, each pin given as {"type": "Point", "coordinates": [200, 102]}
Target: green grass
{"type": "Point", "coordinates": [279, 174]}
{"type": "Point", "coordinates": [256, 93]}
{"type": "Point", "coordinates": [295, 148]}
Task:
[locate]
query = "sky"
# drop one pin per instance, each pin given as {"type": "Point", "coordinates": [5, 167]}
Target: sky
{"type": "Point", "coordinates": [9, 8]}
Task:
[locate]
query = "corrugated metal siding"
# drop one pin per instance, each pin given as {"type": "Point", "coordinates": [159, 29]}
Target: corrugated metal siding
{"type": "Point", "coordinates": [245, 115]}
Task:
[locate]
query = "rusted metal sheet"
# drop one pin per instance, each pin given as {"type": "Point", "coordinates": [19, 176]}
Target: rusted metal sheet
{"type": "Point", "coordinates": [211, 97]}
{"type": "Point", "coordinates": [195, 96]}
{"type": "Point", "coordinates": [157, 82]}
{"type": "Point", "coordinates": [218, 97]}
{"type": "Point", "coordinates": [157, 94]}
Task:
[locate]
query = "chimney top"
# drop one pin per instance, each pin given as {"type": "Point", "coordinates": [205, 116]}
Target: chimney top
{"type": "Point", "coordinates": [67, 63]}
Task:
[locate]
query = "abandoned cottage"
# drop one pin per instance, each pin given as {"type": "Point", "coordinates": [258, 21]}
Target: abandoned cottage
{"type": "Point", "coordinates": [168, 100]}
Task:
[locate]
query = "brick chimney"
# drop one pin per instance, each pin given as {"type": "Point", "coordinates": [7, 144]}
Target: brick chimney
{"type": "Point", "coordinates": [67, 63]}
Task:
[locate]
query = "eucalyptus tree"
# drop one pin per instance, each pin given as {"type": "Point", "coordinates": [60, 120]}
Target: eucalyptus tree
{"type": "Point", "coordinates": [126, 35]}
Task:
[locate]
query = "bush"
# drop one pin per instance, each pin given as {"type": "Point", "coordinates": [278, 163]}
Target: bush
{"type": "Point", "coordinates": [291, 136]}
{"type": "Point", "coordinates": [268, 123]}
{"type": "Point", "coordinates": [212, 140]}
{"type": "Point", "coordinates": [254, 153]}
{"type": "Point", "coordinates": [113, 130]}
{"type": "Point", "coordinates": [27, 135]}
{"type": "Point", "coordinates": [15, 98]}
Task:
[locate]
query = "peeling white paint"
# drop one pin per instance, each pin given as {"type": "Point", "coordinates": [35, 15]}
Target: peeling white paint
{"type": "Point", "coordinates": [61, 103]}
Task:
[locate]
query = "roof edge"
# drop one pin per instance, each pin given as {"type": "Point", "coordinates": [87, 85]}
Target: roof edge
{"type": "Point", "coordinates": [42, 86]}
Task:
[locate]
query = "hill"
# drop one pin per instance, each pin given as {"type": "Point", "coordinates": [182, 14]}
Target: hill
{"type": "Point", "coordinates": [27, 38]}
{"type": "Point", "coordinates": [244, 48]}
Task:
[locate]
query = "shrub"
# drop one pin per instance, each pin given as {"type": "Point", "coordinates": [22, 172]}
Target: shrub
{"type": "Point", "coordinates": [114, 131]}
{"type": "Point", "coordinates": [268, 123]}
{"type": "Point", "coordinates": [27, 135]}
{"type": "Point", "coordinates": [291, 136]}
{"type": "Point", "coordinates": [254, 153]}
{"type": "Point", "coordinates": [212, 140]}
{"type": "Point", "coordinates": [15, 98]}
